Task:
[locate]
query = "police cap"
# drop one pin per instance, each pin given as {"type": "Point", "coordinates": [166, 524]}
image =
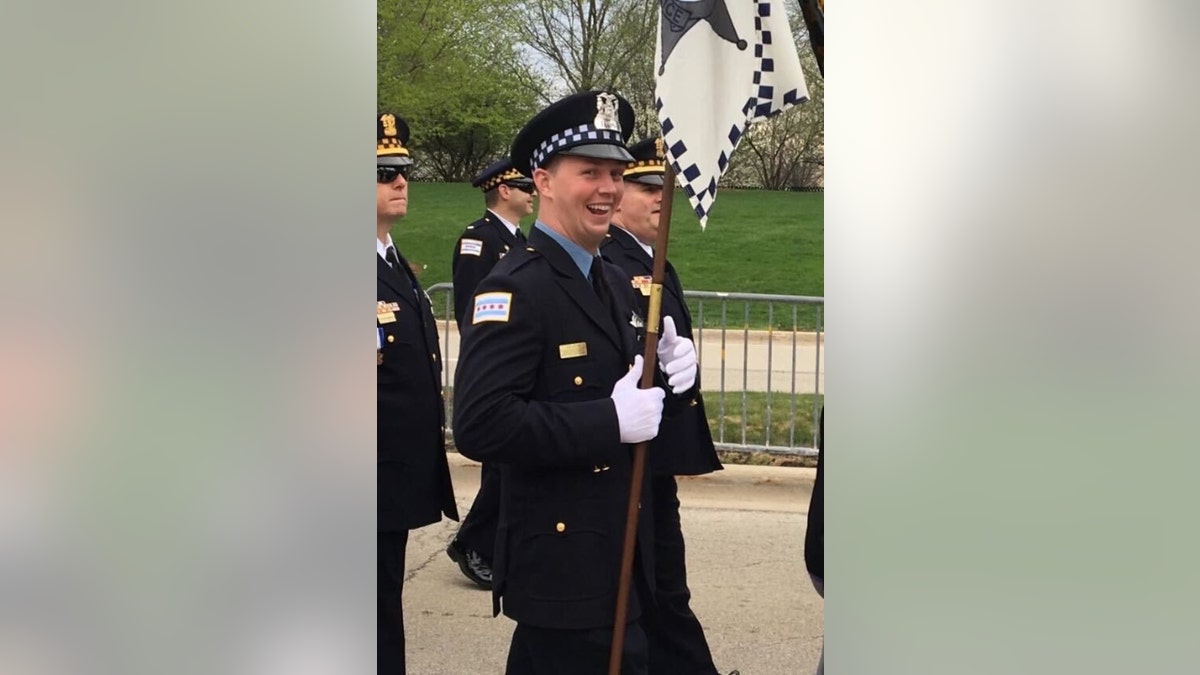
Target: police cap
{"type": "Point", "coordinates": [392, 133]}
{"type": "Point", "coordinates": [592, 124]}
{"type": "Point", "coordinates": [497, 173]}
{"type": "Point", "coordinates": [649, 162]}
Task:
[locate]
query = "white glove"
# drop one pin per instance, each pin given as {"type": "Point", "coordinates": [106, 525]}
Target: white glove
{"type": "Point", "coordinates": [676, 358]}
{"type": "Point", "coordinates": [638, 410]}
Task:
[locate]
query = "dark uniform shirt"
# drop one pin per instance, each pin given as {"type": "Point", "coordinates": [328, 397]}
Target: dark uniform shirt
{"type": "Point", "coordinates": [414, 486]}
{"type": "Point", "coordinates": [684, 445]}
{"type": "Point", "coordinates": [540, 356]}
{"type": "Point", "coordinates": [480, 247]}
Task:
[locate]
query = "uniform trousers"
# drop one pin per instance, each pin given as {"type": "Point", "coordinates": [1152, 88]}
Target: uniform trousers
{"type": "Point", "coordinates": [676, 639]}
{"type": "Point", "coordinates": [389, 589]}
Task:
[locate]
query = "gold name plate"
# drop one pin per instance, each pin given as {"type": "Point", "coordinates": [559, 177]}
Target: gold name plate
{"type": "Point", "coordinates": [572, 351]}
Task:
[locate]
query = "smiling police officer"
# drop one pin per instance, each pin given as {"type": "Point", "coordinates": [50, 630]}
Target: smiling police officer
{"type": "Point", "coordinates": [544, 388]}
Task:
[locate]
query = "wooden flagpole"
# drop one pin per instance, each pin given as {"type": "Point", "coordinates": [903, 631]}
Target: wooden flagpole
{"type": "Point", "coordinates": [650, 363]}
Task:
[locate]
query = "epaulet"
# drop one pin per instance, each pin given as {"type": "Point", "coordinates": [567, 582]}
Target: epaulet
{"type": "Point", "coordinates": [521, 257]}
{"type": "Point", "coordinates": [476, 223]}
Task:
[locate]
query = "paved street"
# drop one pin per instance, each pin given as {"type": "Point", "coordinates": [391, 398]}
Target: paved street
{"type": "Point", "coordinates": [745, 532]}
{"type": "Point", "coordinates": [756, 348]}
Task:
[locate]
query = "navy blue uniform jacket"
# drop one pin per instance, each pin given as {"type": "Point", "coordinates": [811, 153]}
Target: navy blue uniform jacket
{"type": "Point", "coordinates": [413, 477]}
{"type": "Point", "coordinates": [684, 445]}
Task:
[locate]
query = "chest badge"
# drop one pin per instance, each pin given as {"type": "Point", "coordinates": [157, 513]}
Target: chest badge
{"type": "Point", "coordinates": [385, 312]}
{"type": "Point", "coordinates": [573, 350]}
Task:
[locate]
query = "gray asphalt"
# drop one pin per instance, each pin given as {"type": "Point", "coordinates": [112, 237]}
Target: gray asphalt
{"type": "Point", "coordinates": [744, 528]}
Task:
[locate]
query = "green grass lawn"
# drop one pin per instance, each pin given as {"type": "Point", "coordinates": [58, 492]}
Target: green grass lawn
{"type": "Point", "coordinates": [781, 432]}
{"type": "Point", "coordinates": [756, 242]}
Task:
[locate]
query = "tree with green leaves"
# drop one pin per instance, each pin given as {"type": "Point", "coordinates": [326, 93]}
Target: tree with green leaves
{"type": "Point", "coordinates": [453, 69]}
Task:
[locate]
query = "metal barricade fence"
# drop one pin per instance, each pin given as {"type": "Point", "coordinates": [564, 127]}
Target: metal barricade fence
{"type": "Point", "coordinates": [762, 380]}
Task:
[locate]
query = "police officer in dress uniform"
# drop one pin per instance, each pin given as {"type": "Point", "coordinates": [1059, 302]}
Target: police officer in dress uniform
{"type": "Point", "coordinates": [413, 487]}
{"type": "Point", "coordinates": [544, 389]}
{"type": "Point", "coordinates": [684, 444]}
{"type": "Point", "coordinates": [509, 197]}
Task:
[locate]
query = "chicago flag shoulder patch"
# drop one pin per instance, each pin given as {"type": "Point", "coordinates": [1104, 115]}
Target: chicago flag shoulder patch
{"type": "Point", "coordinates": [492, 307]}
{"type": "Point", "coordinates": [470, 247]}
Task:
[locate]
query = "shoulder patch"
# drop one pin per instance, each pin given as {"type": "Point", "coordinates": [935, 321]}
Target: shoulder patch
{"type": "Point", "coordinates": [470, 247]}
{"type": "Point", "coordinates": [492, 307]}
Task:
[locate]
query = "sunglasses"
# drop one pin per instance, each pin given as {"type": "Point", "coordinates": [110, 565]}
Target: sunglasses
{"type": "Point", "coordinates": [527, 188]}
{"type": "Point", "coordinates": [387, 174]}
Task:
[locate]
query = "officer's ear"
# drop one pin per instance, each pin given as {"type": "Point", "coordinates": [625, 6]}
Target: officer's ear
{"type": "Point", "coordinates": [541, 180]}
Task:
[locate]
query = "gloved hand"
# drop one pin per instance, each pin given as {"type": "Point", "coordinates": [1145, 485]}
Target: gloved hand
{"type": "Point", "coordinates": [676, 357]}
{"type": "Point", "coordinates": [638, 410]}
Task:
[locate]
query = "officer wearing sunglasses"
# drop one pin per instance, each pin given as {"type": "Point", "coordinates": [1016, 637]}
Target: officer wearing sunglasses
{"type": "Point", "coordinates": [508, 196]}
{"type": "Point", "coordinates": [388, 173]}
{"type": "Point", "coordinates": [413, 488]}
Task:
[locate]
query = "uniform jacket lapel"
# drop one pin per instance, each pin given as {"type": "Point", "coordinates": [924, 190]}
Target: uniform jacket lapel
{"type": "Point", "coordinates": [507, 237]}
{"type": "Point", "coordinates": [630, 248]}
{"type": "Point", "coordinates": [397, 281]}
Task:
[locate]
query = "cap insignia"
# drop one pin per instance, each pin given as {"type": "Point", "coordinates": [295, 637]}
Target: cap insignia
{"type": "Point", "coordinates": [606, 112]}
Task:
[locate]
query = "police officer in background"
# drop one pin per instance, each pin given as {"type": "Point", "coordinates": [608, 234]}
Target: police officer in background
{"type": "Point", "coordinates": [544, 388]}
{"type": "Point", "coordinates": [413, 488]}
{"type": "Point", "coordinates": [508, 196]}
{"type": "Point", "coordinates": [684, 444]}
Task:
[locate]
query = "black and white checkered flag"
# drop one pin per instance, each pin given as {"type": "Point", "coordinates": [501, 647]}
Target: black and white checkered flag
{"type": "Point", "coordinates": [722, 64]}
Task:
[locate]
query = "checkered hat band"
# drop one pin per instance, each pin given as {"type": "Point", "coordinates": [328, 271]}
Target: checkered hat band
{"type": "Point", "coordinates": [387, 149]}
{"type": "Point", "coordinates": [495, 181]}
{"type": "Point", "coordinates": [581, 135]}
{"type": "Point", "coordinates": [644, 168]}
{"type": "Point", "coordinates": [657, 163]}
